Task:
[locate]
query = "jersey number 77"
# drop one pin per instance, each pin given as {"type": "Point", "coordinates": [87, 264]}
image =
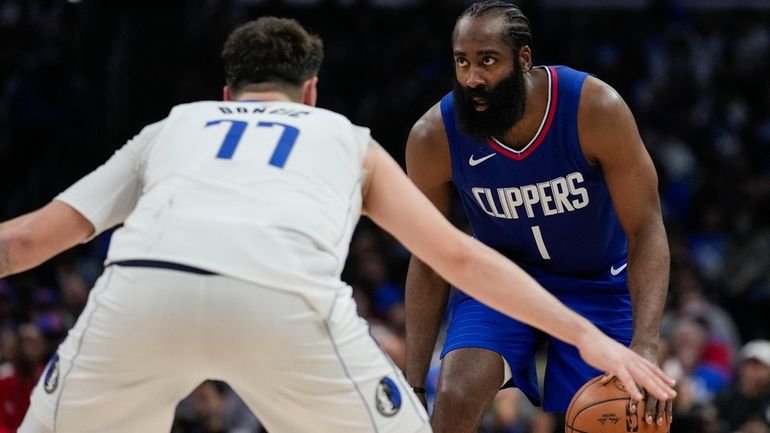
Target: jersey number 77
{"type": "Point", "coordinates": [238, 127]}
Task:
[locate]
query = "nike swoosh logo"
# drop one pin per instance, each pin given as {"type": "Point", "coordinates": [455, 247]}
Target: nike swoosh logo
{"type": "Point", "coordinates": [474, 162]}
{"type": "Point", "coordinates": [614, 271]}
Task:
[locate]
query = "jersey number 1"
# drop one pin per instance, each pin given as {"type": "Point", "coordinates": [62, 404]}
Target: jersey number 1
{"type": "Point", "coordinates": [540, 243]}
{"type": "Point", "coordinates": [238, 127]}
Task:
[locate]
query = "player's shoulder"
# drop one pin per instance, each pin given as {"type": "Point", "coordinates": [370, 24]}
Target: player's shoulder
{"type": "Point", "coordinates": [147, 135]}
{"type": "Point", "coordinates": [292, 109]}
{"type": "Point", "coordinates": [153, 128]}
{"type": "Point", "coordinates": [599, 99]}
{"type": "Point", "coordinates": [429, 129]}
{"type": "Point", "coordinates": [604, 119]}
{"type": "Point", "coordinates": [427, 149]}
{"type": "Point", "coordinates": [191, 107]}
{"type": "Point", "coordinates": [333, 121]}
{"type": "Point", "coordinates": [330, 114]}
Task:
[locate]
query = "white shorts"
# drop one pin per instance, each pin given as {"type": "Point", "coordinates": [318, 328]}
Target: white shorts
{"type": "Point", "coordinates": [149, 336]}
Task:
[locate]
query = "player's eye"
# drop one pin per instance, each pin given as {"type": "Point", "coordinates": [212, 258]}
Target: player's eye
{"type": "Point", "coordinates": [461, 62]}
{"type": "Point", "coordinates": [488, 61]}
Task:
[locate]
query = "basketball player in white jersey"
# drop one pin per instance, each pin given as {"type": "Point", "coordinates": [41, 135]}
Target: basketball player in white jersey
{"type": "Point", "coordinates": [236, 221]}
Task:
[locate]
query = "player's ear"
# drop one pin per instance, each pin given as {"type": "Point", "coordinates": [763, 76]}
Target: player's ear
{"type": "Point", "coordinates": [310, 92]}
{"type": "Point", "coordinates": [226, 94]}
{"type": "Point", "coordinates": [525, 57]}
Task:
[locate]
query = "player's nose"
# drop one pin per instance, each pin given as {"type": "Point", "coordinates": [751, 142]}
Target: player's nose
{"type": "Point", "coordinates": [475, 79]}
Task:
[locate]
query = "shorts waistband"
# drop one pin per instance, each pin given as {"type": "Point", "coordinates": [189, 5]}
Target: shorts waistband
{"type": "Point", "coordinates": [158, 264]}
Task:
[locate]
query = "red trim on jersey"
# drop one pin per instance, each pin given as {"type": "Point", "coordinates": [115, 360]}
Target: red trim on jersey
{"type": "Point", "coordinates": [546, 127]}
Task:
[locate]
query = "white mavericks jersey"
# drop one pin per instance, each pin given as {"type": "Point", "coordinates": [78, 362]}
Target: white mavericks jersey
{"type": "Point", "coordinates": [268, 192]}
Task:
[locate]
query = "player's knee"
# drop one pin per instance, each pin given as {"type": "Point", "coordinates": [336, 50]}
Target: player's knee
{"type": "Point", "coordinates": [453, 395]}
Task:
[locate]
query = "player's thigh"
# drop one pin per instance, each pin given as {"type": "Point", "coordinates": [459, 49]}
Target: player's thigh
{"type": "Point", "coordinates": [328, 375]}
{"type": "Point", "coordinates": [566, 371]}
{"type": "Point", "coordinates": [32, 424]}
{"type": "Point", "coordinates": [116, 371]}
{"type": "Point", "coordinates": [483, 330]}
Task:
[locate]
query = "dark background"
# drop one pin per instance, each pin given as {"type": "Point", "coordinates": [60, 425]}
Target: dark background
{"type": "Point", "coordinates": [77, 79]}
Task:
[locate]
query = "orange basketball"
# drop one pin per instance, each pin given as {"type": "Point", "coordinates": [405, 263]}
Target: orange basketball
{"type": "Point", "coordinates": [598, 408]}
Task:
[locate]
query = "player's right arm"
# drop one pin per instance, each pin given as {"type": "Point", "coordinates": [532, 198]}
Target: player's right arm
{"type": "Point", "coordinates": [93, 204]}
{"type": "Point", "coordinates": [31, 239]}
{"type": "Point", "coordinates": [429, 167]}
{"type": "Point", "coordinates": [396, 205]}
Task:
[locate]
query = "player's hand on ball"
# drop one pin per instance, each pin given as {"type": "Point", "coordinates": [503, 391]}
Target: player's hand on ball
{"type": "Point", "coordinates": [656, 410]}
{"type": "Point", "coordinates": [629, 367]}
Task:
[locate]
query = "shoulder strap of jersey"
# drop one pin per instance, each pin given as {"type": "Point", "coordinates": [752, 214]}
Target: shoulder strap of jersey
{"type": "Point", "coordinates": [570, 86]}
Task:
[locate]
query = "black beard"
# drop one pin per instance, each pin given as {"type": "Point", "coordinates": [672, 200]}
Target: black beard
{"type": "Point", "coordinates": [505, 106]}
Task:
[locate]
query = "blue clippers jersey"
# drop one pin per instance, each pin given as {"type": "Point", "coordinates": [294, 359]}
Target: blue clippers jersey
{"type": "Point", "coordinates": [544, 206]}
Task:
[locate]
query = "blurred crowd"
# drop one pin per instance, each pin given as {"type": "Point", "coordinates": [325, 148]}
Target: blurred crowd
{"type": "Point", "coordinates": [79, 78]}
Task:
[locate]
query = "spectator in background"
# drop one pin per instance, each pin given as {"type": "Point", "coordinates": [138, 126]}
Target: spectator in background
{"type": "Point", "coordinates": [683, 355]}
{"type": "Point", "coordinates": [74, 293]}
{"type": "Point", "coordinates": [687, 344]}
{"type": "Point", "coordinates": [16, 383]}
{"type": "Point", "coordinates": [690, 300]}
{"type": "Point", "coordinates": [748, 286]}
{"type": "Point", "coordinates": [745, 406]}
{"type": "Point", "coordinates": [48, 316]}
{"type": "Point", "coordinates": [213, 407]}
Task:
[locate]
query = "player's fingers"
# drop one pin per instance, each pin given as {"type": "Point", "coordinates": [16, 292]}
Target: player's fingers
{"type": "Point", "coordinates": [653, 383]}
{"type": "Point", "coordinates": [630, 384]}
{"type": "Point", "coordinates": [663, 384]}
{"type": "Point", "coordinates": [660, 415]}
{"type": "Point", "coordinates": [670, 410]}
{"type": "Point", "coordinates": [650, 406]}
{"type": "Point", "coordinates": [607, 378]}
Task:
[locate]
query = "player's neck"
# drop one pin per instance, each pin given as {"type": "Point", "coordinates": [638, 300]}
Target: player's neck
{"type": "Point", "coordinates": [264, 96]}
{"type": "Point", "coordinates": [520, 134]}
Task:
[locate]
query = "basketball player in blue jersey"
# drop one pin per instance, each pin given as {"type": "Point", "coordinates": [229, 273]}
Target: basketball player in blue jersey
{"type": "Point", "coordinates": [552, 173]}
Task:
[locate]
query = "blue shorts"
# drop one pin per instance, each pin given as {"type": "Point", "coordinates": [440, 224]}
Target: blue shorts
{"type": "Point", "coordinates": [474, 325]}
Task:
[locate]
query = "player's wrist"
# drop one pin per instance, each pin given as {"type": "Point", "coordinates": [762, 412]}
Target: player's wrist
{"type": "Point", "coordinates": [645, 348]}
{"type": "Point", "coordinates": [585, 333]}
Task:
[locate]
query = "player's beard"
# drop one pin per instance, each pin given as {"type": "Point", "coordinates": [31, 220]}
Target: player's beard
{"type": "Point", "coordinates": [505, 106]}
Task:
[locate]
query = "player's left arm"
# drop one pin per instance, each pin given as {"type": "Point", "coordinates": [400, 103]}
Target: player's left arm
{"type": "Point", "coordinates": [609, 137]}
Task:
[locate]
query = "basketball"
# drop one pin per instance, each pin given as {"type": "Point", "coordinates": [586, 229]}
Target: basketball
{"type": "Point", "coordinates": [598, 408]}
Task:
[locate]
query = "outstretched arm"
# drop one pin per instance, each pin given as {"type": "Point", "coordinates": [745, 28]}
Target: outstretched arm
{"type": "Point", "coordinates": [396, 205]}
{"type": "Point", "coordinates": [93, 204]}
{"type": "Point", "coordinates": [610, 138]}
{"type": "Point", "coordinates": [33, 238]}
